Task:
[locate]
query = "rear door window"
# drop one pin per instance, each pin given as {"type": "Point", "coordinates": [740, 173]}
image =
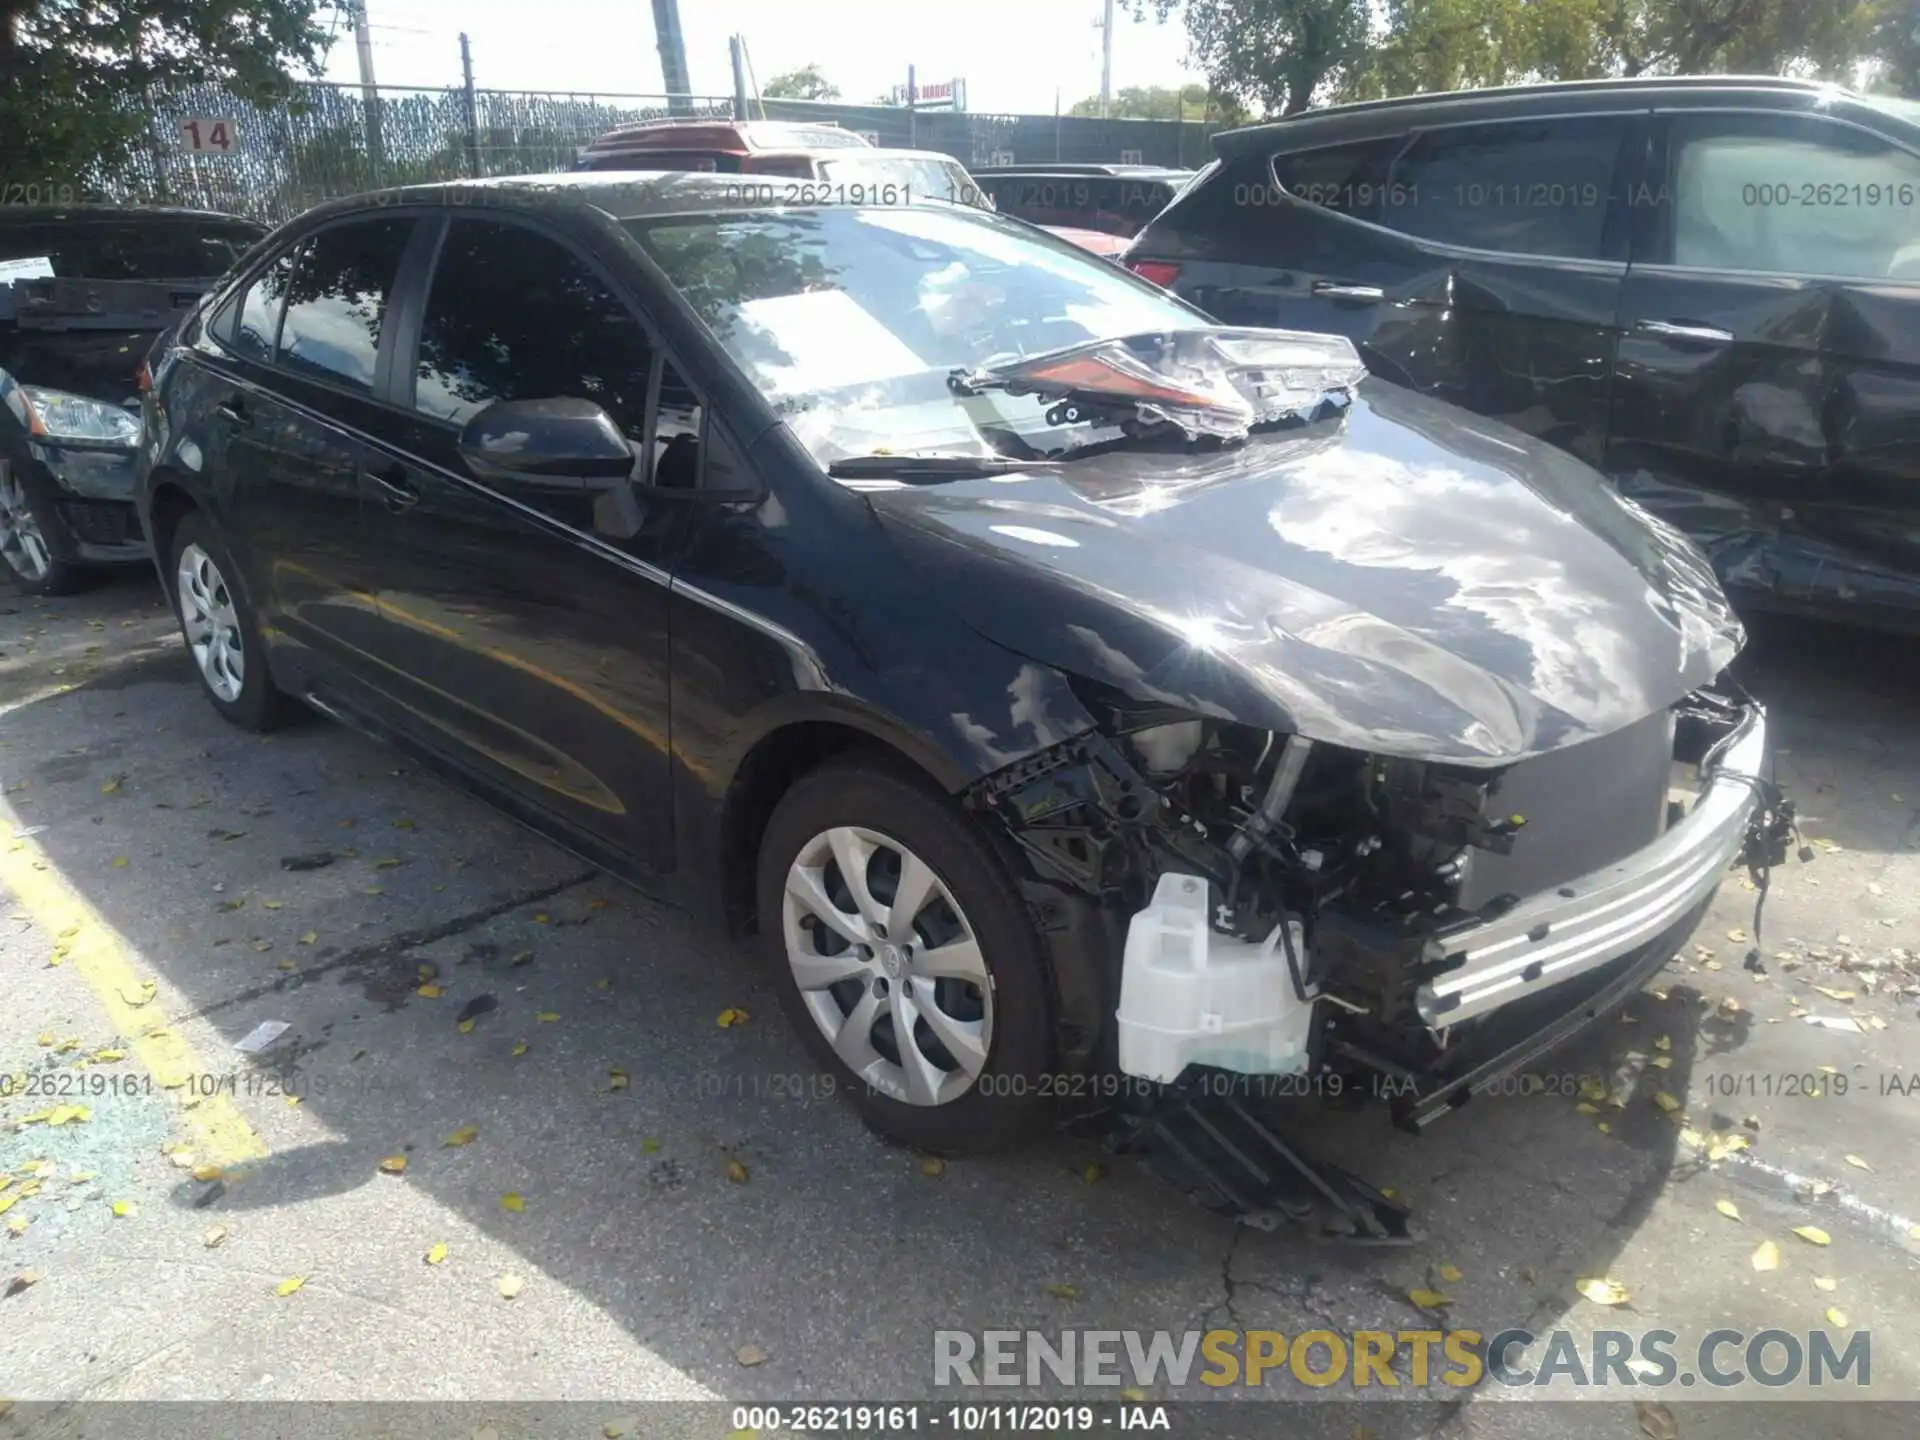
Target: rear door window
{"type": "Point", "coordinates": [252, 327]}
{"type": "Point", "coordinates": [337, 300]}
{"type": "Point", "coordinates": [1524, 187]}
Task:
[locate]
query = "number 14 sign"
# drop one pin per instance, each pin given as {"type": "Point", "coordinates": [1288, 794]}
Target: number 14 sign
{"type": "Point", "coordinates": [202, 133]}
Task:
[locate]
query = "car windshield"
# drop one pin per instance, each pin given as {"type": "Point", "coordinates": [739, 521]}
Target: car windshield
{"type": "Point", "coordinates": [925, 177]}
{"type": "Point", "coordinates": [123, 249]}
{"type": "Point", "coordinates": [852, 321]}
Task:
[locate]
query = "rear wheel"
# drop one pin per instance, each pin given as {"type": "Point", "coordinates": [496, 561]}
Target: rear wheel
{"type": "Point", "coordinates": [222, 635]}
{"type": "Point", "coordinates": [908, 961]}
{"type": "Point", "coordinates": [32, 539]}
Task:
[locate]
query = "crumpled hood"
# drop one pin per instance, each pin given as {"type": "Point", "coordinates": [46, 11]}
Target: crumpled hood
{"type": "Point", "coordinates": [1410, 579]}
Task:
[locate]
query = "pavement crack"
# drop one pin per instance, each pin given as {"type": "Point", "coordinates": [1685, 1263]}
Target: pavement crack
{"type": "Point", "coordinates": [390, 946]}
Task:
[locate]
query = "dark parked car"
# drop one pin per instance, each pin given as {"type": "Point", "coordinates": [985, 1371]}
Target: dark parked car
{"type": "Point", "coordinates": [1709, 289]}
{"type": "Point", "coordinates": [84, 292]}
{"type": "Point", "coordinates": [1060, 684]}
{"type": "Point", "coordinates": [1111, 199]}
{"type": "Point", "coordinates": [840, 163]}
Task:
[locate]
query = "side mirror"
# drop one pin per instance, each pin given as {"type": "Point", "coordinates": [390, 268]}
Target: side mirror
{"type": "Point", "coordinates": [556, 444]}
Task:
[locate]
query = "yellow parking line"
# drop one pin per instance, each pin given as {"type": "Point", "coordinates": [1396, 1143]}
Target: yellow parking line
{"type": "Point", "coordinates": [99, 955]}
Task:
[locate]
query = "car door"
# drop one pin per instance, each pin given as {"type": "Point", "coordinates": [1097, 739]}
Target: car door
{"type": "Point", "coordinates": [522, 625]}
{"type": "Point", "coordinates": [305, 344]}
{"type": "Point", "coordinates": [1479, 262]}
{"type": "Point", "coordinates": [1767, 397]}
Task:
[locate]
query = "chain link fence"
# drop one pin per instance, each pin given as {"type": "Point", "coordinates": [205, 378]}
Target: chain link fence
{"type": "Point", "coordinates": [334, 139]}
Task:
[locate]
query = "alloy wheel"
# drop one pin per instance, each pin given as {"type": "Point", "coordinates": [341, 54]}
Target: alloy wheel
{"type": "Point", "coordinates": [888, 965]}
{"type": "Point", "coordinates": [21, 541]}
{"type": "Point", "coordinates": [212, 625]}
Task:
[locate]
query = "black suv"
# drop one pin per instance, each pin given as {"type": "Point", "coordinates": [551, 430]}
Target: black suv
{"type": "Point", "coordinates": [1110, 199]}
{"type": "Point", "coordinates": [1709, 289]}
{"type": "Point", "coordinates": [1061, 683]}
{"type": "Point", "coordinates": [84, 292]}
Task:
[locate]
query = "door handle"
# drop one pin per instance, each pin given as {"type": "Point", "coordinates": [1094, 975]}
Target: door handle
{"type": "Point", "coordinates": [231, 412]}
{"type": "Point", "coordinates": [1335, 291]}
{"type": "Point", "coordinates": [1677, 330]}
{"type": "Point", "coordinates": [397, 492]}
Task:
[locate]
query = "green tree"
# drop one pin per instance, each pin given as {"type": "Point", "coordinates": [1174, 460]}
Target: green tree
{"type": "Point", "coordinates": [1163, 102]}
{"type": "Point", "coordinates": [1896, 46]}
{"type": "Point", "coordinates": [75, 75]}
{"type": "Point", "coordinates": [806, 83]}
{"type": "Point", "coordinates": [1280, 55]}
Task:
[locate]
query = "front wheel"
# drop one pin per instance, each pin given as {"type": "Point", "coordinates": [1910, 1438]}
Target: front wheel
{"type": "Point", "coordinates": [32, 538]}
{"type": "Point", "coordinates": [907, 959]}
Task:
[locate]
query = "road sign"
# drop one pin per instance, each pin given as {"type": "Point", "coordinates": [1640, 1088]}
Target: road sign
{"type": "Point", "coordinates": [209, 134]}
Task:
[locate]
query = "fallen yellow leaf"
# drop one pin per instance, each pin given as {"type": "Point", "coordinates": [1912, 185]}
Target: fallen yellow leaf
{"type": "Point", "coordinates": [1587, 1107]}
{"type": "Point", "coordinates": [1063, 1292]}
{"type": "Point", "coordinates": [430, 992]}
{"type": "Point", "coordinates": [736, 1172]}
{"type": "Point", "coordinates": [436, 1253]}
{"type": "Point", "coordinates": [1663, 1042]}
{"type": "Point", "coordinates": [1429, 1299]}
{"type": "Point", "coordinates": [1603, 1291]}
{"type": "Point", "coordinates": [616, 1080]}
{"type": "Point", "coordinates": [309, 937]}
{"type": "Point", "coordinates": [547, 1017]}
{"type": "Point", "coordinates": [125, 1209]}
{"type": "Point", "coordinates": [1858, 1163]}
{"type": "Point", "coordinates": [1766, 1257]}
{"type": "Point", "coordinates": [750, 1354]}
{"type": "Point", "coordinates": [519, 1048]}
{"type": "Point", "coordinates": [1133, 1394]}
{"type": "Point", "coordinates": [287, 1286]}
{"type": "Point", "coordinates": [394, 1164]}
{"type": "Point", "coordinates": [932, 1165]}
{"type": "Point", "coordinates": [214, 1236]}
{"type": "Point", "coordinates": [1450, 1273]}
{"type": "Point", "coordinates": [120, 862]}
{"type": "Point", "coordinates": [510, 1286]}
{"type": "Point", "coordinates": [206, 1174]}
{"type": "Point", "coordinates": [1727, 1208]}
{"type": "Point", "coordinates": [1665, 1101]}
{"type": "Point", "coordinates": [1825, 1282]}
{"type": "Point", "coordinates": [730, 1017]}
{"type": "Point", "coordinates": [1813, 1234]}
{"type": "Point", "coordinates": [1836, 1318]}
{"type": "Point", "coordinates": [465, 1135]}
{"type": "Point", "coordinates": [513, 1202]}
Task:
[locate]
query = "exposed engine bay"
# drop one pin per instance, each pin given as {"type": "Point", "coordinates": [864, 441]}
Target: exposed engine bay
{"type": "Point", "coordinates": [1302, 909]}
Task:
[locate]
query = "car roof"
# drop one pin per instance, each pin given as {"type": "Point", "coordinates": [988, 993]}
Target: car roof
{"type": "Point", "coordinates": [683, 133]}
{"type": "Point", "coordinates": [1363, 119]}
{"type": "Point", "coordinates": [90, 213]}
{"type": "Point", "coordinates": [623, 194]}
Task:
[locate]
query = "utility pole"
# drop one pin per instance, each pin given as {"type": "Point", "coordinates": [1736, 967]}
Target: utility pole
{"type": "Point", "coordinates": [473, 119]}
{"type": "Point", "coordinates": [1106, 59]}
{"type": "Point", "coordinates": [673, 56]}
{"type": "Point", "coordinates": [913, 119]}
{"type": "Point", "coordinates": [369, 88]}
{"type": "Point", "coordinates": [734, 49]}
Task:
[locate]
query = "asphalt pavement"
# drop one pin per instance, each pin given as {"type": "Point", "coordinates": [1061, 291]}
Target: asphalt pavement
{"type": "Point", "coordinates": [506, 1151]}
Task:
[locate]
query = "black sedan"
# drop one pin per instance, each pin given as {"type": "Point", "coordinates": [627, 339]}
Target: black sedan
{"type": "Point", "coordinates": [1060, 684]}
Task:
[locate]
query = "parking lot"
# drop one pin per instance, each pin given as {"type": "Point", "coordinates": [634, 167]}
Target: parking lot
{"type": "Point", "coordinates": [679, 1211]}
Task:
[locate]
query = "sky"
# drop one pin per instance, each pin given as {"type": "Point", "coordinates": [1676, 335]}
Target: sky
{"type": "Point", "coordinates": [1013, 54]}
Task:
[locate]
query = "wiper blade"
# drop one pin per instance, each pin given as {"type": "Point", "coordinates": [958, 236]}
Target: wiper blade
{"type": "Point", "coordinates": [912, 467]}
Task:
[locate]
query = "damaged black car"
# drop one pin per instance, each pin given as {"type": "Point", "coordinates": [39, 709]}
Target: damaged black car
{"type": "Point", "coordinates": [1077, 697]}
{"type": "Point", "coordinates": [84, 292]}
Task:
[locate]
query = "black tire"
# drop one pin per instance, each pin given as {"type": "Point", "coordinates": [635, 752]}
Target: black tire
{"type": "Point", "coordinates": [63, 574]}
{"type": "Point", "coordinates": [260, 705]}
{"type": "Point", "coordinates": [1003, 1105]}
